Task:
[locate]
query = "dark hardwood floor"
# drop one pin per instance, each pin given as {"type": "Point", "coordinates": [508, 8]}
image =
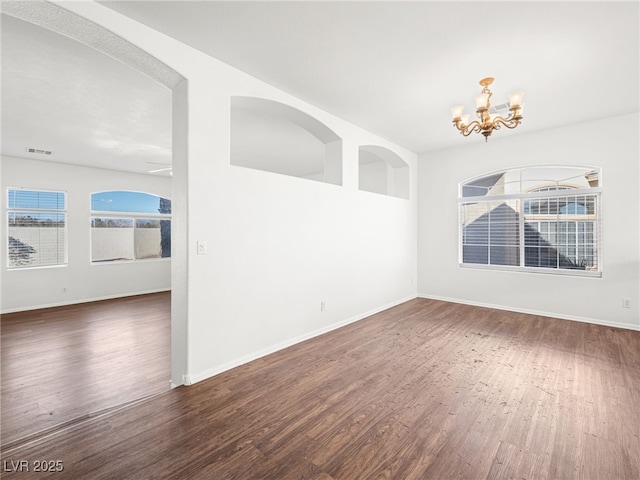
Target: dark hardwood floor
{"type": "Point", "coordinates": [424, 390]}
{"type": "Point", "coordinates": [64, 364]}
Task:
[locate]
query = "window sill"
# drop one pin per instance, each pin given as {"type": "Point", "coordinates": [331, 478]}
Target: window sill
{"type": "Point", "coordinates": [35, 267]}
{"type": "Point", "coordinates": [547, 271]}
{"type": "Point", "coordinates": [127, 262]}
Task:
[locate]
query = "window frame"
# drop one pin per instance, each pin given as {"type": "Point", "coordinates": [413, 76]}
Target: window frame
{"type": "Point", "coordinates": [64, 212]}
{"type": "Point", "coordinates": [131, 216]}
{"type": "Point", "coordinates": [561, 190]}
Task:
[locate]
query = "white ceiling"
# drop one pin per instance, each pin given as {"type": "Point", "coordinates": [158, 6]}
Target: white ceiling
{"type": "Point", "coordinates": [81, 105]}
{"type": "Point", "coordinates": [394, 68]}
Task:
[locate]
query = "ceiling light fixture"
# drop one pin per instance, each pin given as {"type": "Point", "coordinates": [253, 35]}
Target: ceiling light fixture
{"type": "Point", "coordinates": [488, 122]}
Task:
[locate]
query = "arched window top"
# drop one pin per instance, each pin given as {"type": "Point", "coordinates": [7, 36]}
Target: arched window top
{"type": "Point", "coordinates": [286, 112]}
{"type": "Point", "coordinates": [531, 179]}
{"type": "Point", "coordinates": [126, 201]}
{"type": "Point", "coordinates": [552, 188]}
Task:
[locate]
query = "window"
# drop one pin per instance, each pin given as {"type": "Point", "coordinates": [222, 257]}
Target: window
{"type": "Point", "coordinates": [36, 228]}
{"type": "Point", "coordinates": [534, 219]}
{"type": "Point", "coordinates": [129, 226]}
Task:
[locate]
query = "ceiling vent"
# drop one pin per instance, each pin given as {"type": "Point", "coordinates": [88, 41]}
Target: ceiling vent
{"type": "Point", "coordinates": [499, 109]}
{"type": "Point", "coordinates": [39, 151]}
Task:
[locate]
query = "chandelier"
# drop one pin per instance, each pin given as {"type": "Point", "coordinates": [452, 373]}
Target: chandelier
{"type": "Point", "coordinates": [487, 121]}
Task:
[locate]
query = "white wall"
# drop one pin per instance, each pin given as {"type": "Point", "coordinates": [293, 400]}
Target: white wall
{"type": "Point", "coordinates": [277, 246]}
{"type": "Point", "coordinates": [612, 144]}
{"type": "Point", "coordinates": [28, 288]}
{"type": "Point", "coordinates": [373, 177]}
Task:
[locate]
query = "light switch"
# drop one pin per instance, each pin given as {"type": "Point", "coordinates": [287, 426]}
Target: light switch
{"type": "Point", "coordinates": [202, 247]}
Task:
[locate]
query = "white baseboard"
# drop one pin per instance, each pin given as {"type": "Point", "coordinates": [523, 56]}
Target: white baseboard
{"type": "Point", "coordinates": [198, 377]}
{"type": "Point", "coordinates": [82, 300]}
{"type": "Point", "coordinates": [541, 313]}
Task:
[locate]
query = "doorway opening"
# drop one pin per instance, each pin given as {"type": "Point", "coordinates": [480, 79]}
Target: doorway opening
{"type": "Point", "coordinates": [88, 357]}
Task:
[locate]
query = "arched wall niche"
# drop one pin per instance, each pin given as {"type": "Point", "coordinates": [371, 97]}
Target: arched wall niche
{"type": "Point", "coordinates": [271, 136]}
{"type": "Point", "coordinates": [381, 170]}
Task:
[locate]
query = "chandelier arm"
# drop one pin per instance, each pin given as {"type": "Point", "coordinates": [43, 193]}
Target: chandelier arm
{"type": "Point", "coordinates": [470, 128]}
{"type": "Point", "coordinates": [512, 122]}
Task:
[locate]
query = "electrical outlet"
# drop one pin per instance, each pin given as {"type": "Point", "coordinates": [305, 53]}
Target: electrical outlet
{"type": "Point", "coordinates": [626, 302]}
{"type": "Point", "coordinates": [322, 306]}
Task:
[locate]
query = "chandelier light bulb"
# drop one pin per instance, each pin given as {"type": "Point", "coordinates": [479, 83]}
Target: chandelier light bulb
{"type": "Point", "coordinates": [482, 100]}
{"type": "Point", "coordinates": [456, 111]}
{"type": "Point", "coordinates": [515, 99]}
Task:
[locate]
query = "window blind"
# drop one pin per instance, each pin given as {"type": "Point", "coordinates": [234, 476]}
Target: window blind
{"type": "Point", "coordinates": [36, 228]}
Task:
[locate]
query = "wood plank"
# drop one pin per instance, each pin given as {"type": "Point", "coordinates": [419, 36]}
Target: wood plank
{"type": "Point", "coordinates": [426, 389]}
{"type": "Point", "coordinates": [64, 363]}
